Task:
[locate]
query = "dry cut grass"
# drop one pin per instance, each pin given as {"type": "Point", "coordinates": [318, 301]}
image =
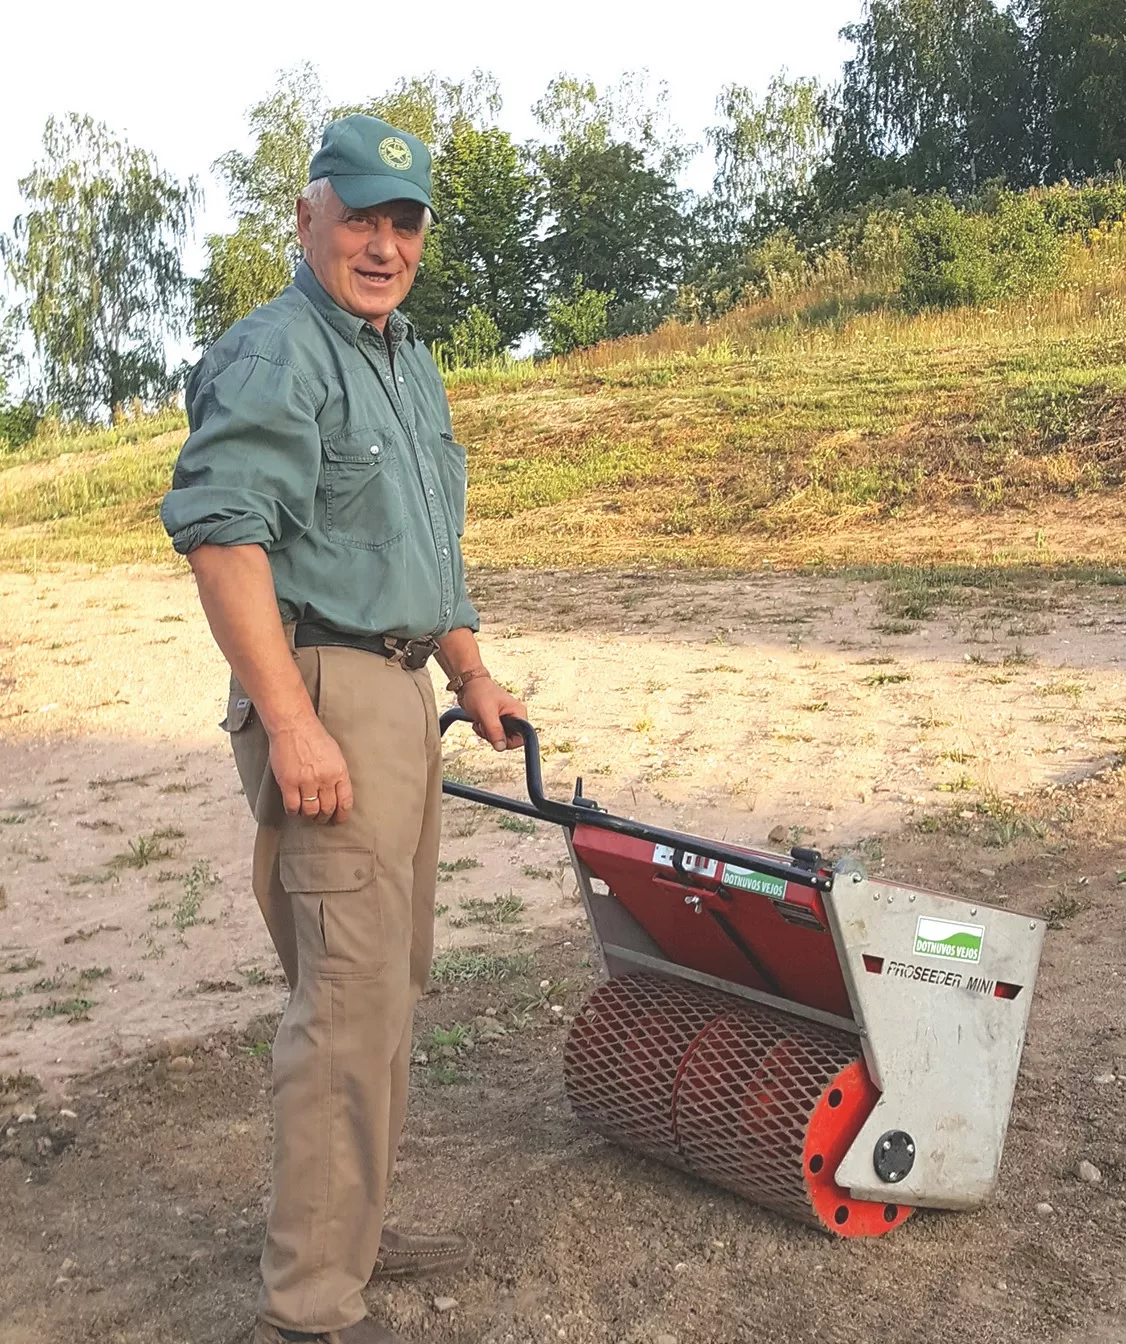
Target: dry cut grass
{"type": "Point", "coordinates": [825, 426]}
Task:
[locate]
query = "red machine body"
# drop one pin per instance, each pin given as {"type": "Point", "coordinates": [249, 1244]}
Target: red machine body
{"type": "Point", "coordinates": [751, 1097]}
{"type": "Point", "coordinates": [711, 919]}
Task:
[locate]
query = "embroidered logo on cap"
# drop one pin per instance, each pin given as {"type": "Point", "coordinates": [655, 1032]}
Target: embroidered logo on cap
{"type": "Point", "coordinates": [396, 153]}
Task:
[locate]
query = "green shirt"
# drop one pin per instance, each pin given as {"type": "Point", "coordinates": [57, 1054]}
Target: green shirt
{"type": "Point", "coordinates": [312, 439]}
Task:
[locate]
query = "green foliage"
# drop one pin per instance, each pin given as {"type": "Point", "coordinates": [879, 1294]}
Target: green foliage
{"type": "Point", "coordinates": [615, 214]}
{"type": "Point", "coordinates": [98, 253]}
{"type": "Point", "coordinates": [956, 257]}
{"type": "Point", "coordinates": [578, 319]}
{"type": "Point", "coordinates": [937, 96]}
{"type": "Point", "coordinates": [767, 149]}
{"type": "Point", "coordinates": [476, 339]}
{"type": "Point", "coordinates": [614, 221]}
{"type": "Point", "coordinates": [253, 264]}
{"type": "Point", "coordinates": [1077, 53]}
{"type": "Point", "coordinates": [484, 253]}
{"type": "Point", "coordinates": [628, 112]}
{"type": "Point", "coordinates": [430, 107]}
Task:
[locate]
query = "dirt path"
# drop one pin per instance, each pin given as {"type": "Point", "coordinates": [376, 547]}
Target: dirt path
{"type": "Point", "coordinates": [967, 737]}
{"type": "Point", "coordinates": [741, 708]}
{"type": "Point", "coordinates": [134, 1214]}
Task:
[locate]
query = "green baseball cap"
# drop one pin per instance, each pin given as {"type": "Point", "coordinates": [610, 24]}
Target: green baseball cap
{"type": "Point", "coordinates": [369, 162]}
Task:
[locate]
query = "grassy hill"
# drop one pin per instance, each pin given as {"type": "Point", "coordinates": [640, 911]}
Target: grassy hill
{"type": "Point", "coordinates": [829, 427]}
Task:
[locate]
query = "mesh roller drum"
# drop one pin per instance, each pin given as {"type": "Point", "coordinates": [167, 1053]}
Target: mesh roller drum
{"type": "Point", "coordinates": [758, 1101]}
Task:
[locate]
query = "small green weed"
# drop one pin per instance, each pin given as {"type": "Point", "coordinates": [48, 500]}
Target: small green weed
{"type": "Point", "coordinates": [75, 1010]}
{"type": "Point", "coordinates": [460, 964]}
{"type": "Point", "coordinates": [956, 755]}
{"type": "Point", "coordinates": [186, 913]}
{"type": "Point", "coordinates": [886, 678]}
{"type": "Point", "coordinates": [446, 871]}
{"type": "Point", "coordinates": [963, 784]}
{"type": "Point", "coordinates": [518, 825]}
{"type": "Point", "coordinates": [1072, 689]}
{"type": "Point", "coordinates": [815, 706]}
{"type": "Point", "coordinates": [1018, 657]}
{"type": "Point", "coordinates": [458, 771]}
{"type": "Point", "coordinates": [500, 910]}
{"type": "Point", "coordinates": [29, 963]}
{"type": "Point", "coordinates": [144, 850]}
{"type": "Point", "coordinates": [1061, 910]}
{"type": "Point", "coordinates": [89, 974]}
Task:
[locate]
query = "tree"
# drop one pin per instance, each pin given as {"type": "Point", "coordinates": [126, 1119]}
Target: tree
{"type": "Point", "coordinates": [578, 318]}
{"type": "Point", "coordinates": [1079, 61]}
{"type": "Point", "coordinates": [254, 263]}
{"type": "Point", "coordinates": [430, 107]}
{"type": "Point", "coordinates": [767, 150]}
{"type": "Point", "coordinates": [628, 112]}
{"type": "Point", "coordinates": [18, 419]}
{"type": "Point", "coordinates": [937, 96]}
{"type": "Point", "coordinates": [484, 254]}
{"type": "Point", "coordinates": [616, 217]}
{"type": "Point", "coordinates": [98, 251]}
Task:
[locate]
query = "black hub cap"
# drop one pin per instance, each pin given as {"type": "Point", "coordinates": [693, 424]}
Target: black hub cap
{"type": "Point", "coordinates": [894, 1156]}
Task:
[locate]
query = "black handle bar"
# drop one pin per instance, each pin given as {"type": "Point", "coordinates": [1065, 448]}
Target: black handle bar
{"type": "Point", "coordinates": [583, 812]}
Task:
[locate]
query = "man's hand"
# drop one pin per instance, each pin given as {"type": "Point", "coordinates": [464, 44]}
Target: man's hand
{"type": "Point", "coordinates": [488, 702]}
{"type": "Point", "coordinates": [311, 771]}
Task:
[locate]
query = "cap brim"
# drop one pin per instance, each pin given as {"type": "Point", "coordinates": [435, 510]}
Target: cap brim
{"type": "Point", "coordinates": [362, 192]}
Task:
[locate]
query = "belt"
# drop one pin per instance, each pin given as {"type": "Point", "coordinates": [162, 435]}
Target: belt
{"type": "Point", "coordinates": [412, 653]}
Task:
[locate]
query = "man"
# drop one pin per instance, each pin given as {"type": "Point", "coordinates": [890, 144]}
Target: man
{"type": "Point", "coordinates": [320, 499]}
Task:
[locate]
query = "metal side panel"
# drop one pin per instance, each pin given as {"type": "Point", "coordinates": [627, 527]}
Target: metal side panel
{"type": "Point", "coordinates": [941, 989]}
{"type": "Point", "coordinates": [610, 922]}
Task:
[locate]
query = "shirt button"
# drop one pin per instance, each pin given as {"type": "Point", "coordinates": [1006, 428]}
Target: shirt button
{"type": "Point", "coordinates": [430, 492]}
{"type": "Point", "coordinates": [400, 377]}
{"type": "Point", "coordinates": [374, 449]}
{"type": "Point", "coordinates": [445, 550]}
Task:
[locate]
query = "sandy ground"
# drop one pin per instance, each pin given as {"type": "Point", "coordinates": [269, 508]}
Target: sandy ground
{"type": "Point", "coordinates": [977, 751]}
{"type": "Point", "coordinates": [742, 709]}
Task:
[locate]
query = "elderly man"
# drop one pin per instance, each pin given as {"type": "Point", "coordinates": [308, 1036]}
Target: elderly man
{"type": "Point", "coordinates": [320, 498]}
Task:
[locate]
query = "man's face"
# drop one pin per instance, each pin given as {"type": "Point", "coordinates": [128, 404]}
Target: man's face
{"type": "Point", "coordinates": [365, 259]}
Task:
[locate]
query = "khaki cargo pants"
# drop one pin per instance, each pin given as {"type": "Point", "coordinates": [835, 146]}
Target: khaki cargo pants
{"type": "Point", "coordinates": [350, 909]}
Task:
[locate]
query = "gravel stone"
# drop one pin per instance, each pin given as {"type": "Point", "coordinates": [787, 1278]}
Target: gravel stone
{"type": "Point", "coordinates": [1088, 1172]}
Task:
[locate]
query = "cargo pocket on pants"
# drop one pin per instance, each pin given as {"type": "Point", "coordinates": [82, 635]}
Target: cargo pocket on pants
{"type": "Point", "coordinates": [339, 921]}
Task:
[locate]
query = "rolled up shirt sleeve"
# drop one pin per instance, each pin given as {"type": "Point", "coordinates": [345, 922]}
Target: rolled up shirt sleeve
{"type": "Point", "coordinates": [465, 615]}
{"type": "Point", "coordinates": [247, 473]}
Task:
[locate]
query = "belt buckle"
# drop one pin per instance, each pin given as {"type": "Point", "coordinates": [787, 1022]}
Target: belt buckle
{"type": "Point", "coordinates": [416, 653]}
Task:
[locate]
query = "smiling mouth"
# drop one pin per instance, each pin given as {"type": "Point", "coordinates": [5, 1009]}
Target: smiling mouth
{"type": "Point", "coordinates": [377, 277]}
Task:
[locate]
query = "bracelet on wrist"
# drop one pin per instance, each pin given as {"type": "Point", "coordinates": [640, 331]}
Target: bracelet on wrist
{"type": "Point", "coordinates": [459, 683]}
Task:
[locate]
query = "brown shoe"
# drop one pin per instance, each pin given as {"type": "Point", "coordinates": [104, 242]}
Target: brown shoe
{"type": "Point", "coordinates": [414, 1254]}
{"type": "Point", "coordinates": [366, 1331]}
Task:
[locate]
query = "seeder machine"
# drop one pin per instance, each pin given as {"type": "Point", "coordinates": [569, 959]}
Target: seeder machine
{"type": "Point", "coordinates": [838, 1049]}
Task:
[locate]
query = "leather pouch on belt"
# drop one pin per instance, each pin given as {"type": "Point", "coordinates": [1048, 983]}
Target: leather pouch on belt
{"type": "Point", "coordinates": [239, 710]}
{"type": "Point", "coordinates": [336, 909]}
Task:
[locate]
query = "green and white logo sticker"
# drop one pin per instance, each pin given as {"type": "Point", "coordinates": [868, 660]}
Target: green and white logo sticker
{"type": "Point", "coordinates": [745, 880]}
{"type": "Point", "coordinates": [947, 939]}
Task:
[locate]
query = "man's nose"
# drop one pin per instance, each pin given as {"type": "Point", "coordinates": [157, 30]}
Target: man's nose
{"type": "Point", "coordinates": [381, 241]}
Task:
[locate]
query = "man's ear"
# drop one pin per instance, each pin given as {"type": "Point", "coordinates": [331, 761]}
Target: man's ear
{"type": "Point", "coordinates": [304, 218]}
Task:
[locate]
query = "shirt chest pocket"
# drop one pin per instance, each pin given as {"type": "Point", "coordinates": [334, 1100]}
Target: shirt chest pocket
{"type": "Point", "coordinates": [456, 478]}
{"type": "Point", "coordinates": [363, 492]}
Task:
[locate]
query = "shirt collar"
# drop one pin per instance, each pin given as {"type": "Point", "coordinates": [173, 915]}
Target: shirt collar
{"type": "Point", "coordinates": [348, 324]}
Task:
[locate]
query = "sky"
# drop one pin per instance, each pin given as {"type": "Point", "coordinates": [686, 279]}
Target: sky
{"type": "Point", "coordinates": [177, 79]}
